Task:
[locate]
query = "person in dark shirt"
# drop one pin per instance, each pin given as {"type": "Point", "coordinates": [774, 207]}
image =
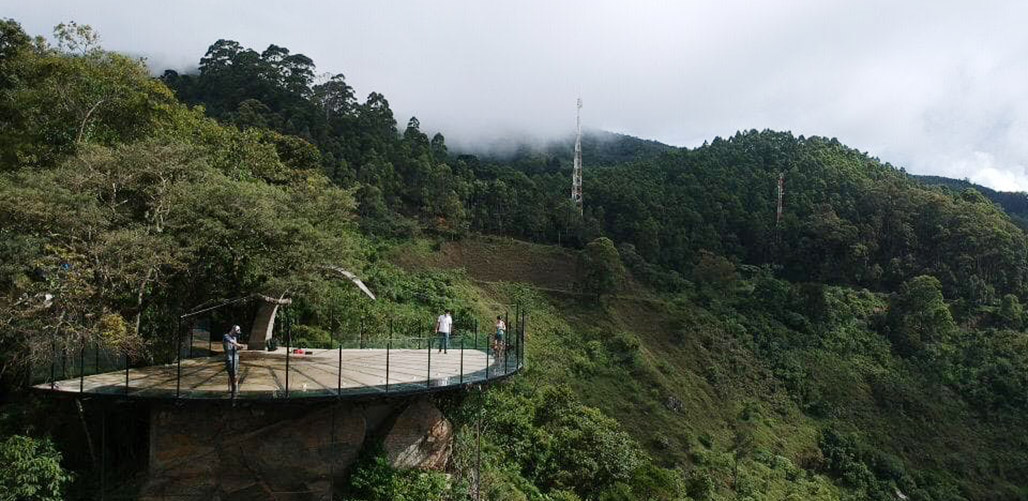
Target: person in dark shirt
{"type": "Point", "coordinates": [498, 345]}
{"type": "Point", "coordinates": [230, 342]}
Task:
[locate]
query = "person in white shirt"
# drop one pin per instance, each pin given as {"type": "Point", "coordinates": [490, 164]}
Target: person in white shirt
{"type": "Point", "coordinates": [443, 325]}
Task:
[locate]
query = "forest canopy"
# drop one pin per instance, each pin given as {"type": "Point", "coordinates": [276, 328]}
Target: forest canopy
{"type": "Point", "coordinates": [833, 342]}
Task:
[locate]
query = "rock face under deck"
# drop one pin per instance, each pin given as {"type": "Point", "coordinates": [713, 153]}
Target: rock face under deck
{"type": "Point", "coordinates": [284, 452]}
{"type": "Point", "coordinates": [421, 437]}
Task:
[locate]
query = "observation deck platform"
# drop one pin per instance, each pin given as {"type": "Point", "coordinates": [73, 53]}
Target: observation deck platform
{"type": "Point", "coordinates": [276, 375]}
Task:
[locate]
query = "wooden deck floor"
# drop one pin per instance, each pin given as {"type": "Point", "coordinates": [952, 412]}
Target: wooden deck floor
{"type": "Point", "coordinates": [263, 374]}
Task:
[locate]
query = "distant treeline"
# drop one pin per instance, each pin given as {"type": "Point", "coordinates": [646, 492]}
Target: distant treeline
{"type": "Point", "coordinates": [848, 218]}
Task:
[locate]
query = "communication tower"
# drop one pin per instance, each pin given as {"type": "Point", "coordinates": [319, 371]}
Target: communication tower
{"type": "Point", "coordinates": [576, 175]}
{"type": "Point", "coordinates": [781, 192]}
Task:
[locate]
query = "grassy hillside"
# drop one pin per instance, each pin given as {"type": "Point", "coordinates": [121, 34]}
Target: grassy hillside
{"type": "Point", "coordinates": [739, 399]}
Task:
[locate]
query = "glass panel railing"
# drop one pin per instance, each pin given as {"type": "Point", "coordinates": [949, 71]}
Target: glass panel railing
{"type": "Point", "coordinates": [197, 367]}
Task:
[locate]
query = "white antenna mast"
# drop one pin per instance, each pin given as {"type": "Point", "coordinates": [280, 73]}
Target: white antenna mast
{"type": "Point", "coordinates": [576, 175]}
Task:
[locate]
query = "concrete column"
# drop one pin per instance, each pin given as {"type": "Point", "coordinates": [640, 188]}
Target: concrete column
{"type": "Point", "coordinates": [264, 324]}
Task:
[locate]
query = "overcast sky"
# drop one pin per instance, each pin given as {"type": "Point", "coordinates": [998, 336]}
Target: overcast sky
{"type": "Point", "coordinates": [937, 87]}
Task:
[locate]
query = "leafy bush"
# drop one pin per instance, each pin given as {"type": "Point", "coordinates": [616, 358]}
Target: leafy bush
{"type": "Point", "coordinates": [30, 469]}
{"type": "Point", "coordinates": [624, 348]}
{"type": "Point", "coordinates": [307, 336]}
{"type": "Point", "coordinates": [919, 317]}
{"type": "Point", "coordinates": [700, 485]}
{"type": "Point", "coordinates": [562, 446]}
{"type": "Point", "coordinates": [376, 480]}
{"type": "Point", "coordinates": [600, 267]}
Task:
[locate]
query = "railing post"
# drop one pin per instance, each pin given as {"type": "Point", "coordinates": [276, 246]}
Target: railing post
{"type": "Point", "coordinates": [332, 322]}
{"type": "Point", "coordinates": [428, 379]}
{"type": "Point", "coordinates": [178, 357]}
{"type": "Point", "coordinates": [475, 322]}
{"type": "Point", "coordinates": [103, 451]}
{"type": "Point", "coordinates": [517, 346]}
{"type": "Point", "coordinates": [53, 363]}
{"type": "Point", "coordinates": [96, 356]}
{"type": "Point", "coordinates": [190, 338]}
{"type": "Point", "coordinates": [289, 350]}
{"type": "Point", "coordinates": [521, 340]}
{"type": "Point", "coordinates": [82, 366]}
{"type": "Point", "coordinates": [462, 360]}
{"type": "Point", "coordinates": [339, 372]}
{"type": "Point", "coordinates": [360, 333]}
{"type": "Point", "coordinates": [512, 339]}
{"type": "Point", "coordinates": [487, 360]}
{"type": "Point", "coordinates": [389, 345]}
{"type": "Point", "coordinates": [506, 340]}
{"type": "Point", "coordinates": [126, 370]}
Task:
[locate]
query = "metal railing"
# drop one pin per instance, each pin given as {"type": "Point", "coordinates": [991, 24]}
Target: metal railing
{"type": "Point", "coordinates": [194, 366]}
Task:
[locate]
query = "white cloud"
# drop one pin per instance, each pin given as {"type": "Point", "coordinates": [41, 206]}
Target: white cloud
{"type": "Point", "coordinates": [983, 170]}
{"type": "Point", "coordinates": [928, 85]}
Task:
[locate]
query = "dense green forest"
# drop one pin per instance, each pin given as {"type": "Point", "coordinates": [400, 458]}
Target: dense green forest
{"type": "Point", "coordinates": [869, 345]}
{"type": "Point", "coordinates": [1015, 204]}
{"type": "Point", "coordinates": [849, 219]}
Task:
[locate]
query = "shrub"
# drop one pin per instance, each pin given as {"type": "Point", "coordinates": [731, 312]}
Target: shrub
{"type": "Point", "coordinates": [700, 485]}
{"type": "Point", "coordinates": [307, 336]}
{"type": "Point", "coordinates": [600, 266]}
{"type": "Point", "coordinates": [715, 271]}
{"type": "Point", "coordinates": [30, 469]}
{"type": "Point", "coordinates": [624, 348]}
{"type": "Point", "coordinates": [377, 480]}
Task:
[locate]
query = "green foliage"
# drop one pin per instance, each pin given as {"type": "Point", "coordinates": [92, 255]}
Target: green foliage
{"type": "Point", "coordinates": [659, 278]}
{"type": "Point", "coordinates": [307, 336]}
{"type": "Point", "coordinates": [866, 469]}
{"type": "Point", "coordinates": [376, 480]}
{"type": "Point", "coordinates": [357, 144]}
{"type": "Point", "coordinates": [30, 469]}
{"type": "Point", "coordinates": [848, 219]}
{"type": "Point", "coordinates": [117, 201]}
{"type": "Point", "coordinates": [56, 99]}
{"type": "Point", "coordinates": [565, 448]}
{"type": "Point", "coordinates": [919, 318]}
{"type": "Point", "coordinates": [600, 267]}
{"type": "Point", "coordinates": [1011, 313]}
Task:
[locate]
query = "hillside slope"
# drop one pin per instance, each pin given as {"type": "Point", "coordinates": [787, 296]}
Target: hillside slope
{"type": "Point", "coordinates": [604, 147]}
{"type": "Point", "coordinates": [1013, 203]}
{"type": "Point", "coordinates": [720, 384]}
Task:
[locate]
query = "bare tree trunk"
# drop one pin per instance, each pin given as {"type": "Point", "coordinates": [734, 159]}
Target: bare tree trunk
{"type": "Point", "coordinates": [85, 429]}
{"type": "Point", "coordinates": [139, 298]}
{"type": "Point", "coordinates": [85, 120]}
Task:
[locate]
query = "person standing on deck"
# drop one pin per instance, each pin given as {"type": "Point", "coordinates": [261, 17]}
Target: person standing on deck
{"type": "Point", "coordinates": [443, 325]}
{"type": "Point", "coordinates": [230, 342]}
{"type": "Point", "coordinates": [501, 329]}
